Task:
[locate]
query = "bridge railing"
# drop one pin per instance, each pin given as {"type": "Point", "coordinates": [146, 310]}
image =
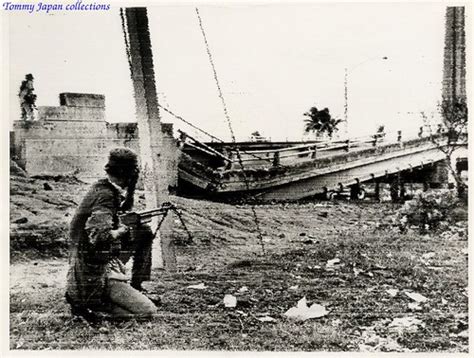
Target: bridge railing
{"type": "Point", "coordinates": [312, 151]}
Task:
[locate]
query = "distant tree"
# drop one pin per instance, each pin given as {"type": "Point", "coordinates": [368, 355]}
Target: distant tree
{"type": "Point", "coordinates": [454, 115]}
{"type": "Point", "coordinates": [256, 134]}
{"type": "Point", "coordinates": [27, 98]}
{"type": "Point", "coordinates": [320, 122]}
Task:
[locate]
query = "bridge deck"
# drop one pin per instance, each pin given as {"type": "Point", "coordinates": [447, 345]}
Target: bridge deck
{"type": "Point", "coordinates": [306, 170]}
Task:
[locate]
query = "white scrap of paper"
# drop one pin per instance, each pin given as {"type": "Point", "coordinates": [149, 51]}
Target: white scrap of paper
{"type": "Point", "coordinates": [230, 301]}
{"type": "Point", "coordinates": [302, 312]}
{"type": "Point", "coordinates": [416, 296]}
{"type": "Point", "coordinates": [200, 286]}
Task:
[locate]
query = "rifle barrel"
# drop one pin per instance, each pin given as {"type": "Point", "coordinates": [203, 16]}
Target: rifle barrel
{"type": "Point", "coordinates": [152, 212]}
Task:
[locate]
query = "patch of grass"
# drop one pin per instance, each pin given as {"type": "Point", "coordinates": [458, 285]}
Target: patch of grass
{"type": "Point", "coordinates": [374, 257]}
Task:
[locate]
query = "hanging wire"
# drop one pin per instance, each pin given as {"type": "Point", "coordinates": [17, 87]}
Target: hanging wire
{"type": "Point", "coordinates": [190, 124]}
{"type": "Point", "coordinates": [221, 96]}
{"type": "Point", "coordinates": [127, 49]}
{"type": "Point", "coordinates": [216, 138]}
{"type": "Point", "coordinates": [229, 123]}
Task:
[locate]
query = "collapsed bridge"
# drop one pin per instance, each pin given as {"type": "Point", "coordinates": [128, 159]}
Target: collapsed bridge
{"type": "Point", "coordinates": [275, 171]}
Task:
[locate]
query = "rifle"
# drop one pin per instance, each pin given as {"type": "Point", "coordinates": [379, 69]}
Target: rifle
{"type": "Point", "coordinates": [135, 218]}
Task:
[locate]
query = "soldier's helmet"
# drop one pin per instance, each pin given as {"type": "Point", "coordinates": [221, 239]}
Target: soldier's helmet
{"type": "Point", "coordinates": [123, 162]}
{"type": "Point", "coordinates": [29, 76]}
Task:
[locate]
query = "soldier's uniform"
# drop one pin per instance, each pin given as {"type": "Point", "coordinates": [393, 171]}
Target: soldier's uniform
{"type": "Point", "coordinates": [97, 278]}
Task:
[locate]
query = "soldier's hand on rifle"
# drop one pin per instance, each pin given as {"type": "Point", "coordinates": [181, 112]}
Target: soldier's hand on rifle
{"type": "Point", "coordinates": [140, 230]}
{"type": "Point", "coordinates": [118, 233]}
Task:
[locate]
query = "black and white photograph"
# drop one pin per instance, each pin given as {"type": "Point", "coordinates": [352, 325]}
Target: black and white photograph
{"type": "Point", "coordinates": [236, 177]}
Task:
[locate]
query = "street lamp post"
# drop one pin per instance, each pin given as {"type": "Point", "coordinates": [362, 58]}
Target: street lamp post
{"type": "Point", "coordinates": [346, 76]}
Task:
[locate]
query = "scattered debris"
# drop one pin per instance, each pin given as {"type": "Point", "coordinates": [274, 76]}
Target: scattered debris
{"type": "Point", "coordinates": [200, 286]}
{"type": "Point", "coordinates": [20, 343]}
{"type": "Point", "coordinates": [104, 330]}
{"type": "Point", "coordinates": [375, 343]}
{"type": "Point", "coordinates": [416, 296]}
{"type": "Point", "coordinates": [266, 319]}
{"type": "Point", "coordinates": [293, 288]}
{"type": "Point", "coordinates": [243, 289]}
{"type": "Point", "coordinates": [230, 301]}
{"type": "Point", "coordinates": [405, 324]}
{"type": "Point", "coordinates": [414, 306]}
{"type": "Point", "coordinates": [356, 271]}
{"type": "Point", "coordinates": [392, 292]}
{"type": "Point", "coordinates": [428, 255]}
{"type": "Point", "coordinates": [302, 312]}
{"type": "Point", "coordinates": [334, 263]}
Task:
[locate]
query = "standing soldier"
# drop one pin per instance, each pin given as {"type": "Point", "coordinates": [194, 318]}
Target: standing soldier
{"type": "Point", "coordinates": [100, 246]}
{"type": "Point", "coordinates": [27, 99]}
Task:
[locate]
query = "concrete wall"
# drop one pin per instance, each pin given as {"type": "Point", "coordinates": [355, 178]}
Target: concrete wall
{"type": "Point", "coordinates": [84, 158]}
{"type": "Point", "coordinates": [82, 100]}
{"type": "Point", "coordinates": [64, 113]}
{"type": "Point", "coordinates": [122, 130]}
{"type": "Point", "coordinates": [74, 138]}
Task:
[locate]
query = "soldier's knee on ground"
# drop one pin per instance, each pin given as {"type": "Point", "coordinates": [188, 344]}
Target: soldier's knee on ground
{"type": "Point", "coordinates": [147, 310]}
{"type": "Point", "coordinates": [143, 313]}
{"type": "Point", "coordinates": [123, 295]}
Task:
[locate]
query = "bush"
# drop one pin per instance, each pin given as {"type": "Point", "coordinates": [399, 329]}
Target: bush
{"type": "Point", "coordinates": [429, 211]}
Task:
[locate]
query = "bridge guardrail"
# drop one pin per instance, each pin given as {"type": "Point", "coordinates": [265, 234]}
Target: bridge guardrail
{"type": "Point", "coordinates": [309, 151]}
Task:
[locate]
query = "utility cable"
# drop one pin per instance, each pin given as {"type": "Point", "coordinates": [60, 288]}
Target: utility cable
{"type": "Point", "coordinates": [229, 123]}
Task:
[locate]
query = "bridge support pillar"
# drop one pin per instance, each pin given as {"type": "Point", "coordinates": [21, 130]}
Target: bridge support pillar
{"type": "Point", "coordinates": [377, 190]}
{"type": "Point", "coordinates": [440, 176]}
{"type": "Point", "coordinates": [355, 190]}
{"type": "Point", "coordinates": [397, 188]}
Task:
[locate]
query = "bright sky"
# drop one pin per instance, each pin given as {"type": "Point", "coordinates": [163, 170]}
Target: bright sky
{"type": "Point", "coordinates": [274, 62]}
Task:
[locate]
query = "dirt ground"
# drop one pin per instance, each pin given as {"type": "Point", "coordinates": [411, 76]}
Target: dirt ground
{"type": "Point", "coordinates": [348, 257]}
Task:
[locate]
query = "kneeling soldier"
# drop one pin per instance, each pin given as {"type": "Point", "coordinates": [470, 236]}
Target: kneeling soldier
{"type": "Point", "coordinates": [100, 246]}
